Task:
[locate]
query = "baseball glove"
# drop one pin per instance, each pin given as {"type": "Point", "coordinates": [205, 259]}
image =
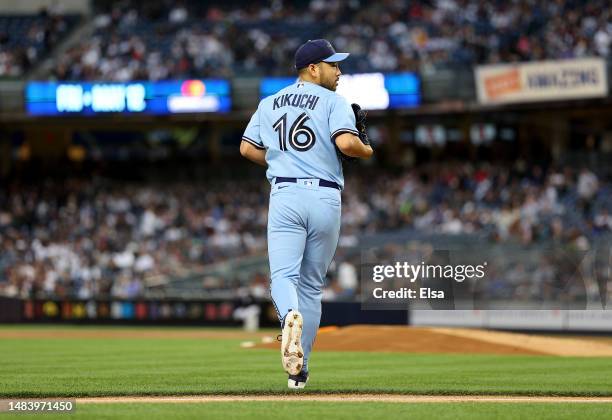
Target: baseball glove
{"type": "Point", "coordinates": [360, 124]}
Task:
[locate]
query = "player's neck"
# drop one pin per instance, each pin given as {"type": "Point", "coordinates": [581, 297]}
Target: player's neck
{"type": "Point", "coordinates": [304, 79]}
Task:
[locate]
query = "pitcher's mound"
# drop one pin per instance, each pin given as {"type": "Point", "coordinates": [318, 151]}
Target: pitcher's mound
{"type": "Point", "coordinates": [449, 340]}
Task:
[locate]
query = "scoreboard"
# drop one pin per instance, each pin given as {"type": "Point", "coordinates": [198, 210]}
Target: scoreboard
{"type": "Point", "coordinates": [370, 90]}
{"type": "Point", "coordinates": [153, 98]}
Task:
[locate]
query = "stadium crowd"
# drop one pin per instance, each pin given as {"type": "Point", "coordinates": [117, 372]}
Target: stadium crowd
{"type": "Point", "coordinates": [537, 277]}
{"type": "Point", "coordinates": [25, 39]}
{"type": "Point", "coordinates": [161, 39]}
{"type": "Point", "coordinates": [99, 237]}
{"type": "Point", "coordinates": [528, 204]}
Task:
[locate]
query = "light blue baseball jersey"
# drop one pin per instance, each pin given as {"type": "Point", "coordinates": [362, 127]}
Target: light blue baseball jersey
{"type": "Point", "coordinates": [298, 126]}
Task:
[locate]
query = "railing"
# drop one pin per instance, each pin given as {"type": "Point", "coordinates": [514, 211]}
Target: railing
{"type": "Point", "coordinates": [543, 274]}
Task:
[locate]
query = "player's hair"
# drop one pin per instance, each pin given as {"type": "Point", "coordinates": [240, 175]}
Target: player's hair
{"type": "Point", "coordinates": [304, 69]}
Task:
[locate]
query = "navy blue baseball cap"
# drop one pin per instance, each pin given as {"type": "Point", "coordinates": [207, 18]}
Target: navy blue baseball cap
{"type": "Point", "coordinates": [315, 51]}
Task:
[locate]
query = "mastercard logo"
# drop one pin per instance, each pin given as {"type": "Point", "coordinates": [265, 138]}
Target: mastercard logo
{"type": "Point", "coordinates": [193, 88]}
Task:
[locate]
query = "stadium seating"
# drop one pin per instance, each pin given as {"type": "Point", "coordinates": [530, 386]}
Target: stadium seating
{"type": "Point", "coordinates": [143, 41]}
{"type": "Point", "coordinates": [25, 39]}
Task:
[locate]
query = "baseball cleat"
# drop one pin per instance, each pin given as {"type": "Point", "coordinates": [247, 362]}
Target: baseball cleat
{"type": "Point", "coordinates": [297, 381]}
{"type": "Point", "coordinates": [291, 347]}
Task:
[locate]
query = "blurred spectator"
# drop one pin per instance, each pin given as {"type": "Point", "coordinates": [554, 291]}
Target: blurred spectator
{"type": "Point", "coordinates": [588, 186]}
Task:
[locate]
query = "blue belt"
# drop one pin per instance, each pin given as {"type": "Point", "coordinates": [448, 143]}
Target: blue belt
{"type": "Point", "coordinates": [322, 182]}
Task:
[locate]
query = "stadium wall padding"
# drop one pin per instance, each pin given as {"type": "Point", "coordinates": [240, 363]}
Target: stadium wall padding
{"type": "Point", "coordinates": [192, 312]}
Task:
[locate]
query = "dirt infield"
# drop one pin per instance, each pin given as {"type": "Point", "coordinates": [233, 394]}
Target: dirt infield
{"type": "Point", "coordinates": [392, 398]}
{"type": "Point", "coordinates": [400, 339]}
{"type": "Point", "coordinates": [451, 340]}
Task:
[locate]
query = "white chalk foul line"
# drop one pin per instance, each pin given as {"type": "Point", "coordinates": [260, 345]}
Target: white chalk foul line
{"type": "Point", "coordinates": [391, 398]}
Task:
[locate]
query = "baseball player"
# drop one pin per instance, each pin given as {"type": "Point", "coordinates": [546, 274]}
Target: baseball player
{"type": "Point", "coordinates": [302, 134]}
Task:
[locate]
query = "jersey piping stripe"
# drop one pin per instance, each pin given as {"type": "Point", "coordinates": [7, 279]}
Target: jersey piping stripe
{"type": "Point", "coordinates": [253, 142]}
{"type": "Point", "coordinates": [343, 130]}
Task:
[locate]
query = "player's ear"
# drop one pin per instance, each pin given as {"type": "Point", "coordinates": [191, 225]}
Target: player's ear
{"type": "Point", "coordinates": [315, 69]}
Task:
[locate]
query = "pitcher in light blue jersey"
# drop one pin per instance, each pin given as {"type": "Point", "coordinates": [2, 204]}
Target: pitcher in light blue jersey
{"type": "Point", "coordinates": [296, 134]}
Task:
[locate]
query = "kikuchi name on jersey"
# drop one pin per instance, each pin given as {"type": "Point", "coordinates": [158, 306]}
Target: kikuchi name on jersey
{"type": "Point", "coordinates": [299, 101]}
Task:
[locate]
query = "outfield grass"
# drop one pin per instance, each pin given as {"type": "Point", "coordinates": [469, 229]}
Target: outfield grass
{"type": "Point", "coordinates": [327, 410]}
{"type": "Point", "coordinates": [133, 366]}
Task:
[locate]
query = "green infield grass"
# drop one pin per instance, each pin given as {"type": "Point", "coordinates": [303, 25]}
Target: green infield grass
{"type": "Point", "coordinates": [327, 410]}
{"type": "Point", "coordinates": [78, 367]}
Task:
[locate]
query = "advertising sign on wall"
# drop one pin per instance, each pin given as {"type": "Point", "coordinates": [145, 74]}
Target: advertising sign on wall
{"type": "Point", "coordinates": [541, 81]}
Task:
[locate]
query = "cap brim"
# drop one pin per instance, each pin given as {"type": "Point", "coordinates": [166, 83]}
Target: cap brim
{"type": "Point", "coordinates": [336, 57]}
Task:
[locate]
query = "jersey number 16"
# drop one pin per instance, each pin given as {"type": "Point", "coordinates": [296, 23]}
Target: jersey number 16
{"type": "Point", "coordinates": [297, 129]}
